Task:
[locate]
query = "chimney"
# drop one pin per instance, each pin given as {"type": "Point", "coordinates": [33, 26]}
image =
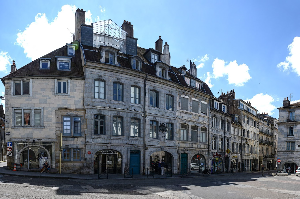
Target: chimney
{"type": "Point", "coordinates": [79, 20]}
{"type": "Point", "coordinates": [193, 69]}
{"type": "Point", "coordinates": [165, 57]}
{"type": "Point", "coordinates": [126, 26]}
{"type": "Point", "coordinates": [13, 67]}
{"type": "Point", "coordinates": [158, 44]}
{"type": "Point", "coordinates": [286, 102]}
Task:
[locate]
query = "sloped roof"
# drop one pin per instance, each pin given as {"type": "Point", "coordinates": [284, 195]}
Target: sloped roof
{"type": "Point", "coordinates": [32, 69]}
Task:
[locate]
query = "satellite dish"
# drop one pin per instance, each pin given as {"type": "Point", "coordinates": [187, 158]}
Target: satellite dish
{"type": "Point", "coordinates": [76, 44]}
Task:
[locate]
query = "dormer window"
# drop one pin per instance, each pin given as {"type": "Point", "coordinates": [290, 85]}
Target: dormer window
{"type": "Point", "coordinates": [64, 63]}
{"type": "Point", "coordinates": [224, 108]}
{"type": "Point", "coordinates": [136, 64]}
{"type": "Point", "coordinates": [154, 57]}
{"type": "Point", "coordinates": [45, 64]}
{"type": "Point", "coordinates": [216, 105]}
{"type": "Point", "coordinates": [109, 57]}
{"type": "Point", "coordinates": [163, 73]}
{"type": "Point", "coordinates": [187, 80]}
{"type": "Point", "coordinates": [71, 50]}
{"type": "Point", "coordinates": [193, 83]}
{"type": "Point", "coordinates": [162, 70]}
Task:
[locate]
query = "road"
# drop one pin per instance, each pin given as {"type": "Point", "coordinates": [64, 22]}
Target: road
{"type": "Point", "coordinates": [214, 186]}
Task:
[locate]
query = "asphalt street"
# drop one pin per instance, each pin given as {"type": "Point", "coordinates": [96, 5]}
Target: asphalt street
{"type": "Point", "coordinates": [239, 185]}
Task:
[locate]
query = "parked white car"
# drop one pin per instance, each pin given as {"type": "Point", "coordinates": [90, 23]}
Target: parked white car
{"type": "Point", "coordinates": [297, 171]}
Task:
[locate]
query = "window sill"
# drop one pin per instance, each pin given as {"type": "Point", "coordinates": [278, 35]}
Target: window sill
{"type": "Point", "coordinates": [72, 136]}
{"type": "Point", "coordinates": [27, 95]}
{"type": "Point", "coordinates": [62, 94]}
{"type": "Point", "coordinates": [35, 127]}
{"type": "Point", "coordinates": [135, 137]}
{"type": "Point", "coordinates": [117, 136]}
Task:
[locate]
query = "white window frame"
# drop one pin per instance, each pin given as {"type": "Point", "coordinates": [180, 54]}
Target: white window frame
{"type": "Point", "coordinates": [98, 118]}
{"type": "Point", "coordinates": [44, 61]}
{"type": "Point", "coordinates": [224, 108]}
{"type": "Point", "coordinates": [184, 132]}
{"type": "Point", "coordinates": [61, 59]}
{"type": "Point", "coordinates": [154, 57]}
{"type": "Point", "coordinates": [33, 118]}
{"type": "Point", "coordinates": [135, 126]}
{"type": "Point", "coordinates": [135, 95]}
{"type": "Point", "coordinates": [73, 48]}
{"type": "Point", "coordinates": [22, 87]}
{"type": "Point", "coordinates": [100, 94]}
{"type": "Point", "coordinates": [136, 64]}
{"type": "Point", "coordinates": [67, 89]}
{"type": "Point", "coordinates": [118, 126]}
{"type": "Point", "coordinates": [216, 105]}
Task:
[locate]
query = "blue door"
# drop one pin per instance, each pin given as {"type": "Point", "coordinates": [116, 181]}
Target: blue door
{"type": "Point", "coordinates": [184, 163]}
{"type": "Point", "coordinates": [135, 160]}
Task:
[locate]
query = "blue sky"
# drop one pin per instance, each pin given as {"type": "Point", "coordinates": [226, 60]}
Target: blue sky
{"type": "Point", "coordinates": [252, 46]}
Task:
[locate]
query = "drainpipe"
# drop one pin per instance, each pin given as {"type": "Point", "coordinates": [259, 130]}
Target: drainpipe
{"type": "Point", "coordinates": [60, 153]}
{"type": "Point", "coordinates": [208, 137]}
{"type": "Point", "coordinates": [145, 115]}
{"type": "Point", "coordinates": [224, 145]}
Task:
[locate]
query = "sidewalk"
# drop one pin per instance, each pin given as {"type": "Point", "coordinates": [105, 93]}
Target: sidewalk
{"type": "Point", "coordinates": [5, 171]}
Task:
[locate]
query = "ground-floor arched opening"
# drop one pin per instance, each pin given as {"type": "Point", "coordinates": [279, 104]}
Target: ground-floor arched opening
{"type": "Point", "coordinates": [198, 163]}
{"type": "Point", "coordinates": [161, 162]}
{"type": "Point", "coordinates": [108, 161]}
{"type": "Point", "coordinates": [290, 167]}
{"type": "Point", "coordinates": [33, 157]}
{"type": "Point", "coordinates": [217, 165]}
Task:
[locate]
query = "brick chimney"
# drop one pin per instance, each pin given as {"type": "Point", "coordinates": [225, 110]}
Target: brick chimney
{"type": "Point", "coordinates": [286, 102]}
{"type": "Point", "coordinates": [128, 27]}
{"type": "Point", "coordinates": [13, 67]}
{"type": "Point", "coordinates": [79, 20]}
{"type": "Point", "coordinates": [193, 69]}
{"type": "Point", "coordinates": [158, 44]}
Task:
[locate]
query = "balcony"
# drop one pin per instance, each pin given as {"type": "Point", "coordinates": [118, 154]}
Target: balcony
{"type": "Point", "coordinates": [265, 142]}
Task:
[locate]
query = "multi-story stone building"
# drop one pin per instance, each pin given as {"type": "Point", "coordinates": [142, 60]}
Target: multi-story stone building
{"type": "Point", "coordinates": [245, 132]}
{"type": "Point", "coordinates": [102, 104]}
{"type": "Point", "coordinates": [220, 136]}
{"type": "Point", "coordinates": [268, 134]}
{"type": "Point", "coordinates": [288, 139]}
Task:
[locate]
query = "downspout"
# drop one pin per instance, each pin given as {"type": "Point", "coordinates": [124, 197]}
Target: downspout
{"type": "Point", "coordinates": [144, 129]}
{"type": "Point", "coordinates": [224, 145]}
{"type": "Point", "coordinates": [208, 137]}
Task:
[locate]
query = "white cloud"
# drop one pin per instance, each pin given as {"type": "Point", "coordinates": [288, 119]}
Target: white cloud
{"type": "Point", "coordinates": [295, 101]}
{"type": "Point", "coordinates": [41, 36]}
{"type": "Point", "coordinates": [237, 74]}
{"type": "Point", "coordinates": [102, 9]}
{"type": "Point", "coordinates": [293, 60]}
{"type": "Point", "coordinates": [263, 103]}
{"type": "Point", "coordinates": [5, 61]}
{"type": "Point", "coordinates": [3, 101]}
{"type": "Point", "coordinates": [201, 60]}
{"type": "Point", "coordinates": [208, 80]}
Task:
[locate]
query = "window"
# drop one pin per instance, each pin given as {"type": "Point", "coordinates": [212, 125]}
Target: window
{"type": "Point", "coordinates": [204, 108]}
{"type": "Point", "coordinates": [224, 108]}
{"type": "Point", "coordinates": [291, 131]}
{"type": "Point", "coordinates": [232, 148]}
{"type": "Point", "coordinates": [135, 95]}
{"type": "Point", "coordinates": [247, 118]}
{"type": "Point", "coordinates": [71, 50]}
{"type": "Point", "coordinates": [67, 154]}
{"type": "Point", "coordinates": [71, 126]}
{"type": "Point", "coordinates": [62, 86]}
{"type": "Point", "coordinates": [45, 63]}
{"type": "Point", "coordinates": [194, 133]}
{"type": "Point", "coordinates": [241, 105]}
{"type": "Point", "coordinates": [214, 122]}
{"type": "Point", "coordinates": [99, 89]}
{"type": "Point", "coordinates": [162, 73]}
{"type": "Point", "coordinates": [154, 58]}
{"type": "Point", "coordinates": [184, 103]}
{"type": "Point", "coordinates": [154, 98]}
{"type": "Point", "coordinates": [221, 144]}
{"type": "Point", "coordinates": [291, 116]}
{"type": "Point", "coordinates": [170, 102]}
{"type": "Point", "coordinates": [64, 64]}
{"type": "Point", "coordinates": [228, 126]}
{"type": "Point", "coordinates": [99, 125]}
{"type": "Point", "coordinates": [216, 105]}
{"type": "Point", "coordinates": [136, 64]}
{"type": "Point", "coordinates": [214, 143]}
{"type": "Point", "coordinates": [195, 106]}
{"type": "Point", "coordinates": [118, 91]}
{"type": "Point", "coordinates": [222, 124]}
{"type": "Point", "coordinates": [153, 129]}
{"type": "Point", "coordinates": [135, 127]}
{"type": "Point", "coordinates": [193, 83]}
{"type": "Point", "coordinates": [21, 87]}
{"type": "Point", "coordinates": [117, 126]}
{"type": "Point", "coordinates": [290, 146]}
{"type": "Point", "coordinates": [203, 134]}
{"type": "Point", "coordinates": [184, 132]}
{"type": "Point", "coordinates": [70, 154]}
{"type": "Point", "coordinates": [109, 57]}
{"type": "Point", "coordinates": [170, 131]}
{"type": "Point", "coordinates": [27, 117]}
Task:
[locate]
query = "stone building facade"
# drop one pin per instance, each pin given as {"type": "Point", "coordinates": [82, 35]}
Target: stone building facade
{"type": "Point", "coordinates": [288, 139]}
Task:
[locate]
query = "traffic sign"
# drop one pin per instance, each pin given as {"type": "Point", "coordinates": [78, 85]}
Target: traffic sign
{"type": "Point", "coordinates": [9, 144]}
{"type": "Point", "coordinates": [278, 160]}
